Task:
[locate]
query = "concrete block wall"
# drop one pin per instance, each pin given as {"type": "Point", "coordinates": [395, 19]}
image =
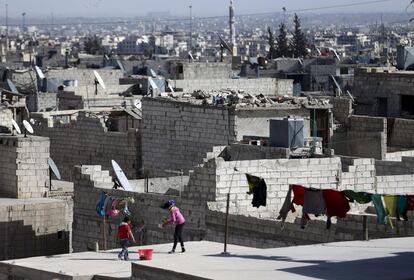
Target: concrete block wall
{"type": "Point", "coordinates": [342, 108]}
{"type": "Point", "coordinates": [24, 171]}
{"type": "Point", "coordinates": [30, 227]}
{"type": "Point", "coordinates": [41, 101]}
{"type": "Point", "coordinates": [404, 166]}
{"type": "Point", "coordinates": [369, 86]}
{"type": "Point", "coordinates": [265, 86]}
{"type": "Point", "coordinates": [397, 156]}
{"type": "Point", "coordinates": [278, 174]}
{"type": "Point", "coordinates": [357, 174]}
{"type": "Point", "coordinates": [87, 141]}
{"type": "Point", "coordinates": [402, 132]}
{"type": "Point", "coordinates": [366, 137]}
{"type": "Point", "coordinates": [205, 70]}
{"type": "Point", "coordinates": [85, 77]}
{"type": "Point", "coordinates": [88, 226]}
{"type": "Point", "coordinates": [177, 135]}
{"type": "Point", "coordinates": [6, 115]}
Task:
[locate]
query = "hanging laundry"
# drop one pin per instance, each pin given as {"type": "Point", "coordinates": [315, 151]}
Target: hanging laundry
{"type": "Point", "coordinates": [379, 208]}
{"type": "Point", "coordinates": [298, 196]}
{"type": "Point", "coordinates": [360, 197]}
{"type": "Point", "coordinates": [402, 207]}
{"type": "Point", "coordinates": [337, 205]}
{"type": "Point", "coordinates": [313, 204]}
{"type": "Point", "coordinates": [108, 205]}
{"type": "Point", "coordinates": [113, 212]}
{"type": "Point", "coordinates": [285, 207]}
{"type": "Point", "coordinates": [100, 210]}
{"type": "Point", "coordinates": [410, 202]}
{"type": "Point", "coordinates": [258, 187]}
{"type": "Point", "coordinates": [390, 202]}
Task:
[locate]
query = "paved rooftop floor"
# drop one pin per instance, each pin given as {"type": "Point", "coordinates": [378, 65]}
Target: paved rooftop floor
{"type": "Point", "coordinates": [375, 259]}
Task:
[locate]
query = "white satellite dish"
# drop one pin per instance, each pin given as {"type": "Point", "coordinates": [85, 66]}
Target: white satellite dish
{"type": "Point", "coordinates": [153, 74]}
{"type": "Point", "coordinates": [120, 175]}
{"type": "Point", "coordinates": [318, 51]}
{"type": "Point", "coordinates": [54, 168]}
{"type": "Point", "coordinates": [335, 53]}
{"type": "Point", "coordinates": [16, 126]}
{"type": "Point", "coordinates": [171, 89]}
{"type": "Point", "coordinates": [39, 73]}
{"type": "Point", "coordinates": [138, 104]}
{"type": "Point", "coordinates": [12, 86]}
{"type": "Point", "coordinates": [337, 85]}
{"type": "Point", "coordinates": [191, 55]}
{"type": "Point", "coordinates": [27, 127]}
{"type": "Point", "coordinates": [152, 84]}
{"type": "Point", "coordinates": [99, 79]}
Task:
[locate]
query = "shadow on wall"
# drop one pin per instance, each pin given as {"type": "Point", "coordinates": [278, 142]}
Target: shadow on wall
{"type": "Point", "coordinates": [21, 241]}
{"type": "Point", "coordinates": [396, 266]}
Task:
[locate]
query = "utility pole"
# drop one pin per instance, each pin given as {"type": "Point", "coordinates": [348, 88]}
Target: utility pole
{"type": "Point", "coordinates": [191, 27]}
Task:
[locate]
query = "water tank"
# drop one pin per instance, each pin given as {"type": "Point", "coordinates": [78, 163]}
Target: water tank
{"type": "Point", "coordinates": [286, 132]}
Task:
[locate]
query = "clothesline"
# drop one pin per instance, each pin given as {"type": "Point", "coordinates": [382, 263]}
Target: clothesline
{"type": "Point", "coordinates": [332, 202]}
{"type": "Point", "coordinates": [111, 207]}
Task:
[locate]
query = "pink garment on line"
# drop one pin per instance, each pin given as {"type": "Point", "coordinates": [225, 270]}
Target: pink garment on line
{"type": "Point", "coordinates": [175, 217]}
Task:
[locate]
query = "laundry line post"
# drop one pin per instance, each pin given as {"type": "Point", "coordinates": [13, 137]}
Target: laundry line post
{"type": "Point", "coordinates": [226, 226]}
{"type": "Point", "coordinates": [104, 233]}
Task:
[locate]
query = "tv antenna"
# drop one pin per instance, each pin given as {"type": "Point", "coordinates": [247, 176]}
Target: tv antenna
{"type": "Point", "coordinates": [120, 176]}
{"type": "Point", "coordinates": [223, 46]}
{"type": "Point", "coordinates": [98, 81]}
{"type": "Point", "coordinates": [15, 127]}
{"type": "Point", "coordinates": [53, 169]}
{"type": "Point", "coordinates": [27, 128]}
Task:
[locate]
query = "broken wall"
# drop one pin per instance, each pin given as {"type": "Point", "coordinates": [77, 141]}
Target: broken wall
{"type": "Point", "coordinates": [86, 140]}
{"type": "Point", "coordinates": [6, 116]}
{"type": "Point", "coordinates": [41, 101]}
{"type": "Point", "coordinates": [265, 86]}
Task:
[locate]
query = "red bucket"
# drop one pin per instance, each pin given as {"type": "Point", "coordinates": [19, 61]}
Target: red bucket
{"type": "Point", "coordinates": [145, 254]}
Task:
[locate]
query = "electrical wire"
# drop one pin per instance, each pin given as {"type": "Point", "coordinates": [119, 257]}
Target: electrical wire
{"type": "Point", "coordinates": [355, 4]}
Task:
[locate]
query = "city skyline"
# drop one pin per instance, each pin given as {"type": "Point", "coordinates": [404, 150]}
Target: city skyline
{"type": "Point", "coordinates": [106, 8]}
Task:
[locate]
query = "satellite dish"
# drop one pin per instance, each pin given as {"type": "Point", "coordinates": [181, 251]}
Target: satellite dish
{"type": "Point", "coordinates": [318, 51]}
{"type": "Point", "coordinates": [27, 127]}
{"type": "Point", "coordinates": [98, 81]}
{"type": "Point", "coordinates": [171, 89]}
{"type": "Point", "coordinates": [138, 104]}
{"type": "Point", "coordinates": [16, 127]}
{"type": "Point", "coordinates": [153, 74]}
{"type": "Point", "coordinates": [54, 168]}
{"type": "Point", "coordinates": [106, 56]}
{"type": "Point", "coordinates": [152, 84]}
{"type": "Point", "coordinates": [120, 65]}
{"type": "Point", "coordinates": [337, 85]}
{"type": "Point", "coordinates": [39, 73]}
{"type": "Point", "coordinates": [300, 61]}
{"type": "Point", "coordinates": [12, 86]}
{"type": "Point", "coordinates": [335, 53]}
{"type": "Point", "coordinates": [223, 44]}
{"type": "Point", "coordinates": [120, 175]}
{"type": "Point", "coordinates": [190, 55]}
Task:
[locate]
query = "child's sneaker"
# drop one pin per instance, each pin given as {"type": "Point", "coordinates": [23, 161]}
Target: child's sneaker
{"type": "Point", "coordinates": [171, 252]}
{"type": "Point", "coordinates": [182, 250]}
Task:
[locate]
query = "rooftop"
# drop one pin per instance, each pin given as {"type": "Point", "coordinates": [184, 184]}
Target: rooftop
{"type": "Point", "coordinates": [375, 259]}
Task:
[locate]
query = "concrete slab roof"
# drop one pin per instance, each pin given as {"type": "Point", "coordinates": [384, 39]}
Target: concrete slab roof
{"type": "Point", "coordinates": [375, 259]}
{"type": "Point", "coordinates": [28, 201]}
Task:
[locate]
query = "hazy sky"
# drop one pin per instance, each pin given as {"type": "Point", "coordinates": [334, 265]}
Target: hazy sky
{"type": "Point", "coordinates": [180, 7]}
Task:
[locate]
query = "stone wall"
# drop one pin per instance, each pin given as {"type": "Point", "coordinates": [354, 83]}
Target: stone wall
{"type": "Point", "coordinates": [265, 86]}
{"type": "Point", "coordinates": [86, 141]}
{"type": "Point", "coordinates": [85, 77]}
{"type": "Point", "coordinates": [404, 166]}
{"type": "Point", "coordinates": [177, 135]}
{"type": "Point", "coordinates": [41, 101]}
{"type": "Point", "coordinates": [6, 115]}
{"type": "Point", "coordinates": [203, 70]}
{"type": "Point", "coordinates": [33, 227]}
{"type": "Point", "coordinates": [24, 171]}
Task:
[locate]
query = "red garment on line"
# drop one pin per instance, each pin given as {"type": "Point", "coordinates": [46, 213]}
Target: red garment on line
{"type": "Point", "coordinates": [298, 196]}
{"type": "Point", "coordinates": [336, 203]}
{"type": "Point", "coordinates": [410, 202]}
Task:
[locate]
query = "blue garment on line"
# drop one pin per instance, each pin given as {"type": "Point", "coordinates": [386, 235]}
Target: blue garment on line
{"type": "Point", "coordinates": [379, 208]}
{"type": "Point", "coordinates": [402, 207]}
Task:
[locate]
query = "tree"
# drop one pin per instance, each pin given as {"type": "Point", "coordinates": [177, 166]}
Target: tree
{"type": "Point", "coordinates": [298, 43]}
{"type": "Point", "coordinates": [282, 49]}
{"type": "Point", "coordinates": [272, 49]}
{"type": "Point", "coordinates": [93, 46]}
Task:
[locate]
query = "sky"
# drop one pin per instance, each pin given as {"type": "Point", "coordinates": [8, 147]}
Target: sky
{"type": "Point", "coordinates": [115, 8]}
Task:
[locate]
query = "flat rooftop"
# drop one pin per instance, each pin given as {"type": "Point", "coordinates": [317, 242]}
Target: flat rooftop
{"type": "Point", "coordinates": [375, 259]}
{"type": "Point", "coordinates": [26, 201]}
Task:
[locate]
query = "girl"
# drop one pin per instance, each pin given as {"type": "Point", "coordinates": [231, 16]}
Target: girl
{"type": "Point", "coordinates": [178, 219]}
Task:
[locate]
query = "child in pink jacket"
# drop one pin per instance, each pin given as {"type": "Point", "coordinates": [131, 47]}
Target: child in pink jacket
{"type": "Point", "coordinates": [178, 219]}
